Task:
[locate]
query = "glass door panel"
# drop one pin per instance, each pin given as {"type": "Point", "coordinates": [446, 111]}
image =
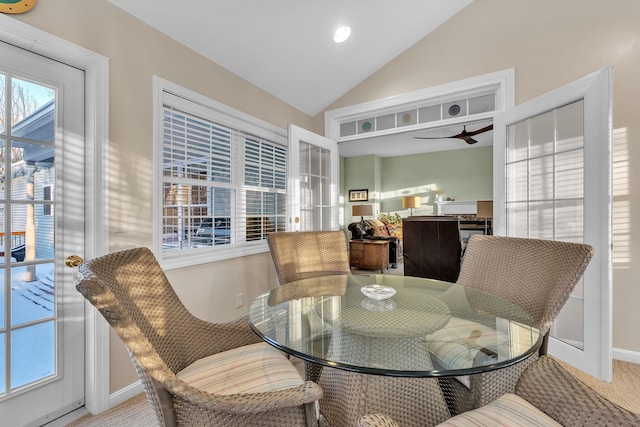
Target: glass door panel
{"type": "Point", "coordinates": [33, 356]}
{"type": "Point", "coordinates": [541, 132]}
{"type": "Point", "coordinates": [554, 175]}
{"type": "Point", "coordinates": [27, 173]}
{"type": "Point", "coordinates": [552, 180]}
{"type": "Point", "coordinates": [313, 190]}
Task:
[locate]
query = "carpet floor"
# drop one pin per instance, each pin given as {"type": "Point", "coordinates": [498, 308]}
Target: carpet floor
{"type": "Point", "coordinates": [623, 390]}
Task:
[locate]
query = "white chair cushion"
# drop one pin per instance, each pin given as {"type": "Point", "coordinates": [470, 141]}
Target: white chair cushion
{"type": "Point", "coordinates": [457, 345]}
{"type": "Point", "coordinates": [509, 410]}
{"type": "Point", "coordinates": [254, 368]}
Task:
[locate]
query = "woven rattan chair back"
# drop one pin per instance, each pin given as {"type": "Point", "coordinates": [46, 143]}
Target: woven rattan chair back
{"type": "Point", "coordinates": [133, 293]}
{"type": "Point", "coordinates": [537, 275]}
{"type": "Point", "coordinates": [306, 254]}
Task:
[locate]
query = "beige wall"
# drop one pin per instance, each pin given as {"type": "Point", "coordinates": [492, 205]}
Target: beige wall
{"type": "Point", "coordinates": [548, 43]}
{"type": "Point", "coordinates": [136, 52]}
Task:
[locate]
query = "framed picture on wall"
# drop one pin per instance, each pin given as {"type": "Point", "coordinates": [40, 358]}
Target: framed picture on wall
{"type": "Point", "coordinates": [358, 195]}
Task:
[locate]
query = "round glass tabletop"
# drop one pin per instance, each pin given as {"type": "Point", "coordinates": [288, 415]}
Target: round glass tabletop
{"type": "Point", "coordinates": [394, 325]}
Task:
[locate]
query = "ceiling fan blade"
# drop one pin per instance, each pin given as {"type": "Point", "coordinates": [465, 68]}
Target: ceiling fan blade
{"type": "Point", "coordinates": [475, 132]}
{"type": "Point", "coordinates": [466, 136]}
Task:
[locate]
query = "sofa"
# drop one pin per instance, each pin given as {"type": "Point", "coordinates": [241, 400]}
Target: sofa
{"type": "Point", "coordinates": [377, 230]}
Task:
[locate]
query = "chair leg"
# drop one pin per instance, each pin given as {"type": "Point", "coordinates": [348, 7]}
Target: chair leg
{"type": "Point", "coordinates": [311, 414]}
{"type": "Point", "coordinates": [542, 351]}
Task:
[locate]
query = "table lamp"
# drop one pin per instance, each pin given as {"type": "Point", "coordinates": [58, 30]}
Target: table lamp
{"type": "Point", "coordinates": [484, 210]}
{"type": "Point", "coordinates": [410, 202]}
{"type": "Point", "coordinates": [362, 210]}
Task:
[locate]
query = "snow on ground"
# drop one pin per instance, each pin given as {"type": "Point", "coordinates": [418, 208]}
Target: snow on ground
{"type": "Point", "coordinates": [33, 347]}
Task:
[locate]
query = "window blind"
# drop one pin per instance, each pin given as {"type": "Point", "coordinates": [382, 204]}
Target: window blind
{"type": "Point", "coordinates": [221, 185]}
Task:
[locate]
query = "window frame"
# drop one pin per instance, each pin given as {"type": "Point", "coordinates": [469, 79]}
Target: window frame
{"type": "Point", "coordinates": [202, 106]}
{"type": "Point", "coordinates": [47, 196]}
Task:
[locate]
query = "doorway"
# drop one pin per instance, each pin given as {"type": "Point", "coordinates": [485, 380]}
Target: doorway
{"type": "Point", "coordinates": [592, 352]}
{"type": "Point", "coordinates": [41, 213]}
{"type": "Point", "coordinates": [96, 77]}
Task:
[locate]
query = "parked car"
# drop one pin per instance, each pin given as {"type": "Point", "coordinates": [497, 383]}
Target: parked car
{"type": "Point", "coordinates": [213, 231]}
{"type": "Point", "coordinates": [17, 253]}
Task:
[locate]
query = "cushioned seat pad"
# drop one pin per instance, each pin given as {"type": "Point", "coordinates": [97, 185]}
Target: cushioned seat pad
{"type": "Point", "coordinates": [458, 345]}
{"type": "Point", "coordinates": [509, 410]}
{"type": "Point", "coordinates": [254, 368]}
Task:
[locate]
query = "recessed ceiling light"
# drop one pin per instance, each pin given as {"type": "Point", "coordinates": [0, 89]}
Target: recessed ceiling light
{"type": "Point", "coordinates": [341, 34]}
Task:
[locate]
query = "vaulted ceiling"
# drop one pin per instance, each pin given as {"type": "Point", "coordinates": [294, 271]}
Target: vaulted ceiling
{"type": "Point", "coordinates": [286, 47]}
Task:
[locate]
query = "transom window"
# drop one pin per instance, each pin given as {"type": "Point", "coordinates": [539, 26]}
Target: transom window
{"type": "Point", "coordinates": [223, 181]}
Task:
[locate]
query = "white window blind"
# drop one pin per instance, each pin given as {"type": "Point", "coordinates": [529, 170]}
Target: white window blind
{"type": "Point", "coordinates": [222, 186]}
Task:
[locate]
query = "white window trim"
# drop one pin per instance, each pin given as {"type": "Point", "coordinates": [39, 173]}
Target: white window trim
{"type": "Point", "coordinates": [227, 116]}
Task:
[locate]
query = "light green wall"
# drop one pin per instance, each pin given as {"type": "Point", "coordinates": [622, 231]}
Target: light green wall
{"type": "Point", "coordinates": [462, 174]}
{"type": "Point", "coordinates": [360, 173]}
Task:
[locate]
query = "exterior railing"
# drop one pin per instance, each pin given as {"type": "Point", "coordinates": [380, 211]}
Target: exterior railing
{"type": "Point", "coordinates": [17, 239]}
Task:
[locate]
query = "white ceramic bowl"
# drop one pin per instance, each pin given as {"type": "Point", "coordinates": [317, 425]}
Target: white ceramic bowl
{"type": "Point", "coordinates": [378, 292]}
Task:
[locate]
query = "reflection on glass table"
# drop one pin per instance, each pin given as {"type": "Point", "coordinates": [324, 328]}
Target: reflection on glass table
{"type": "Point", "coordinates": [427, 328]}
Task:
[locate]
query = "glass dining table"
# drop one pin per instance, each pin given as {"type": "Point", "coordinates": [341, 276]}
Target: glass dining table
{"type": "Point", "coordinates": [394, 325]}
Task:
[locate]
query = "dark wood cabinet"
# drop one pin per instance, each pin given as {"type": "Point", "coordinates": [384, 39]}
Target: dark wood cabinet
{"type": "Point", "coordinates": [432, 247]}
{"type": "Point", "coordinates": [369, 254]}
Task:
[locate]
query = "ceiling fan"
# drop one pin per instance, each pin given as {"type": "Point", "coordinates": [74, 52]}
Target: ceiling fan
{"type": "Point", "coordinates": [466, 136]}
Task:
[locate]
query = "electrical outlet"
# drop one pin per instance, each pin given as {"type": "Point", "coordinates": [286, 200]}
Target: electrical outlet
{"type": "Point", "coordinates": [239, 300]}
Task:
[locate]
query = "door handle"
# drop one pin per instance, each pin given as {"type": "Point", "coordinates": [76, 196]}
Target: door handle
{"type": "Point", "coordinates": [297, 220]}
{"type": "Point", "coordinates": [73, 261]}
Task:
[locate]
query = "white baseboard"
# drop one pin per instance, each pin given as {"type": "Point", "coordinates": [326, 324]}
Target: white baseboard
{"type": "Point", "coordinates": [125, 394]}
{"type": "Point", "coordinates": [626, 355]}
{"type": "Point", "coordinates": [115, 399]}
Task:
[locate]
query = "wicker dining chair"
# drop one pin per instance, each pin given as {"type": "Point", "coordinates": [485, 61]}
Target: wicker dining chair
{"type": "Point", "coordinates": [194, 372]}
{"type": "Point", "coordinates": [536, 275]}
{"type": "Point", "coordinates": [305, 254]}
{"type": "Point", "coordinates": [554, 394]}
{"type": "Point", "coordinates": [301, 255]}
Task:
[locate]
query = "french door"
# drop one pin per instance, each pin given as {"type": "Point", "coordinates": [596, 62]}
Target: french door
{"type": "Point", "coordinates": [552, 180]}
{"type": "Point", "coordinates": [41, 219]}
{"type": "Point", "coordinates": [312, 181]}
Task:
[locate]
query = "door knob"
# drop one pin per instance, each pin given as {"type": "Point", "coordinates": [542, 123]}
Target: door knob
{"type": "Point", "coordinates": [297, 220]}
{"type": "Point", "coordinates": [73, 261]}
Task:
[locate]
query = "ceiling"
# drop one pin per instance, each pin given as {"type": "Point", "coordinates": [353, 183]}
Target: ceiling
{"type": "Point", "coordinates": [286, 47]}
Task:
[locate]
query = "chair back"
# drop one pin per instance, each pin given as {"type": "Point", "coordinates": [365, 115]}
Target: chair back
{"type": "Point", "coordinates": [537, 275]}
{"type": "Point", "coordinates": [131, 291]}
{"type": "Point", "coordinates": [304, 254]}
